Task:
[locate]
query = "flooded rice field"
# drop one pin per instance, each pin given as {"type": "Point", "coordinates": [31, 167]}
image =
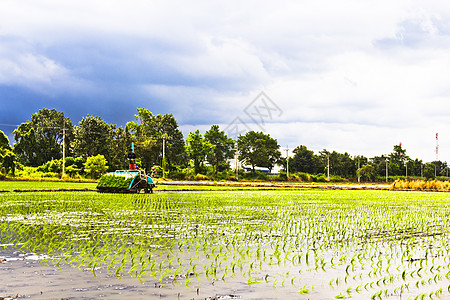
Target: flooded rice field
{"type": "Point", "coordinates": [225, 245]}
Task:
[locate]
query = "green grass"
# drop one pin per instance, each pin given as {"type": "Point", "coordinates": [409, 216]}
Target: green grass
{"type": "Point", "coordinates": [365, 244]}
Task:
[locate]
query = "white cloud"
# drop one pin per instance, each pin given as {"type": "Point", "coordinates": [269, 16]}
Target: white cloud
{"type": "Point", "coordinates": [36, 72]}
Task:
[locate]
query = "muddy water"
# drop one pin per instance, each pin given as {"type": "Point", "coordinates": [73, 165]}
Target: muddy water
{"type": "Point", "coordinates": [26, 276]}
{"type": "Point", "coordinates": [32, 280]}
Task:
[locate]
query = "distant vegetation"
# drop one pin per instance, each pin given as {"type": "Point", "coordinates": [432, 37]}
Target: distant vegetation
{"type": "Point", "coordinates": [94, 147]}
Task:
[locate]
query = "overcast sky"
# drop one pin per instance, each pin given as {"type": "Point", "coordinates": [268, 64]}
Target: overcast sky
{"type": "Point", "coordinates": [351, 75]}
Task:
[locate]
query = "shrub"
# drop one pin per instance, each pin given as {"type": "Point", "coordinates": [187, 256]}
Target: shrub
{"type": "Point", "coordinates": [180, 173]}
{"type": "Point", "coordinates": [72, 170]}
{"type": "Point", "coordinates": [257, 175]}
{"type": "Point", "coordinates": [303, 176]}
{"type": "Point", "coordinates": [319, 177]}
{"type": "Point", "coordinates": [281, 176]}
{"type": "Point", "coordinates": [53, 166]}
{"type": "Point", "coordinates": [50, 175]}
{"type": "Point", "coordinates": [201, 177]}
{"type": "Point", "coordinates": [95, 165]}
{"type": "Point", "coordinates": [157, 172]}
{"type": "Point", "coordinates": [224, 175]}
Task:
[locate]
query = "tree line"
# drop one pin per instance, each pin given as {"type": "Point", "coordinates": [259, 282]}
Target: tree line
{"type": "Point", "coordinates": [158, 140]}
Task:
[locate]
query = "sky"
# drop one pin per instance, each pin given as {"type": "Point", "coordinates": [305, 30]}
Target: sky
{"type": "Point", "coordinates": [354, 76]}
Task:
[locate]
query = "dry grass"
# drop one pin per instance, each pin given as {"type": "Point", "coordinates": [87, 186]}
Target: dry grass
{"type": "Point", "coordinates": [421, 185]}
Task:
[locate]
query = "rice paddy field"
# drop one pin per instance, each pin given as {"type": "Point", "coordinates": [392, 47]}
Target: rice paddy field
{"type": "Point", "coordinates": [250, 244]}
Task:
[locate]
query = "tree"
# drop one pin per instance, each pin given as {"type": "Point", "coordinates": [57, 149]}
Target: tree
{"type": "Point", "coordinates": [397, 161]}
{"type": "Point", "coordinates": [346, 166]}
{"type": "Point", "coordinates": [7, 157]}
{"type": "Point", "coordinates": [433, 168]}
{"type": "Point", "coordinates": [93, 136]}
{"type": "Point", "coordinates": [415, 167]}
{"type": "Point", "coordinates": [95, 166]}
{"type": "Point", "coordinates": [258, 149]}
{"type": "Point", "coordinates": [74, 165]}
{"type": "Point", "coordinates": [40, 140]}
{"type": "Point", "coordinates": [222, 148]}
{"type": "Point", "coordinates": [367, 171]}
{"type": "Point", "coordinates": [304, 160]}
{"type": "Point", "coordinates": [440, 167]}
{"type": "Point", "coordinates": [379, 162]}
{"type": "Point", "coordinates": [340, 164]}
{"type": "Point", "coordinates": [428, 170]}
{"type": "Point", "coordinates": [121, 142]}
{"type": "Point", "coordinates": [149, 135]}
{"type": "Point", "coordinates": [197, 149]}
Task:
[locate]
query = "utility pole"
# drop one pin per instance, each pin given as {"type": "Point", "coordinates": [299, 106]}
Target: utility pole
{"type": "Point", "coordinates": [437, 155]}
{"type": "Point", "coordinates": [406, 164]}
{"type": "Point", "coordinates": [359, 167]}
{"type": "Point", "coordinates": [287, 162]}
{"type": "Point", "coordinates": [64, 150]}
{"type": "Point", "coordinates": [421, 171]}
{"type": "Point", "coordinates": [328, 166]}
{"type": "Point", "coordinates": [387, 175]}
{"type": "Point", "coordinates": [164, 156]}
{"type": "Point", "coordinates": [236, 159]}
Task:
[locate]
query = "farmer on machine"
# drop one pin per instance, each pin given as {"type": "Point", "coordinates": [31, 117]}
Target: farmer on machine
{"type": "Point", "coordinates": [131, 160]}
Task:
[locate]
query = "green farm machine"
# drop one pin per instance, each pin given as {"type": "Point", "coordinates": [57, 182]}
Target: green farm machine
{"type": "Point", "coordinates": [126, 181]}
{"type": "Point", "coordinates": [132, 180]}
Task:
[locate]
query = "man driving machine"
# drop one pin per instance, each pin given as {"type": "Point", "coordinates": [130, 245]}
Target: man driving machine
{"type": "Point", "coordinates": [131, 160]}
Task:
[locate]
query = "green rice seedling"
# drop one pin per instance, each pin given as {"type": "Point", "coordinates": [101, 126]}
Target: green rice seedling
{"type": "Point", "coordinates": [303, 290]}
{"type": "Point", "coordinates": [378, 234]}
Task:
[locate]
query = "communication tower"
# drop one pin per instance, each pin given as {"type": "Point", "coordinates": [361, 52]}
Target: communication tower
{"type": "Point", "coordinates": [437, 154]}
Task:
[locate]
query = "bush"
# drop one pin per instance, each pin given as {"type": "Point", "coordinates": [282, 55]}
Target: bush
{"type": "Point", "coordinates": [201, 177]}
{"type": "Point", "coordinates": [319, 178]}
{"type": "Point", "coordinates": [177, 174]}
{"type": "Point", "coordinates": [180, 173]}
{"type": "Point", "coordinates": [257, 175]}
{"type": "Point", "coordinates": [50, 175]}
{"type": "Point", "coordinates": [337, 178]}
{"type": "Point", "coordinates": [303, 176]}
{"type": "Point", "coordinates": [157, 172]}
{"type": "Point", "coordinates": [95, 165]}
{"type": "Point", "coordinates": [72, 170]}
{"type": "Point", "coordinates": [224, 175]}
{"type": "Point", "coordinates": [53, 166]}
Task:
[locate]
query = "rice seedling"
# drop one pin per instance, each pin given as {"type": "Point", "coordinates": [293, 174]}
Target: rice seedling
{"type": "Point", "coordinates": [373, 243]}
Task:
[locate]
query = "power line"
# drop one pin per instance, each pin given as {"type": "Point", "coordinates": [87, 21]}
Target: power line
{"type": "Point", "coordinates": [9, 125]}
